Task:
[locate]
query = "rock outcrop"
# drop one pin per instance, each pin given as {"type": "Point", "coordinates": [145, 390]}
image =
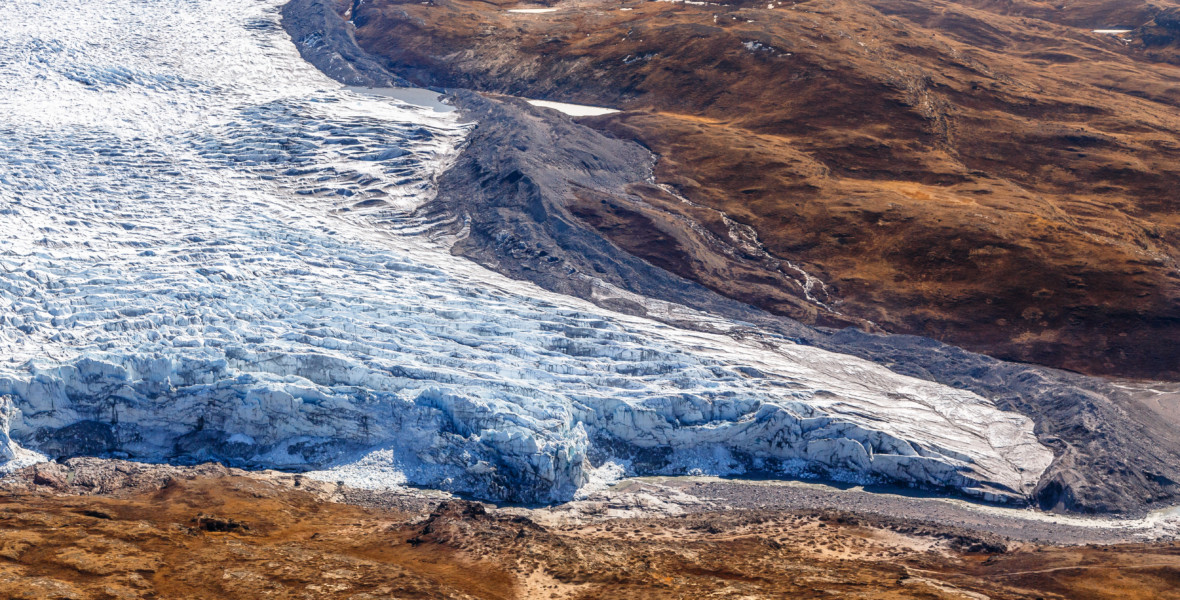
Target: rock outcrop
{"type": "Point", "coordinates": [326, 40]}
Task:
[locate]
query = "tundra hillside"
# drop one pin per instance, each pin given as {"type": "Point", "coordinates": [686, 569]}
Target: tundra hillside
{"type": "Point", "coordinates": [993, 175]}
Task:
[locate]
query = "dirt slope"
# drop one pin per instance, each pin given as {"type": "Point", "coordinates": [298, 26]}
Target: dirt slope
{"type": "Point", "coordinates": [993, 175]}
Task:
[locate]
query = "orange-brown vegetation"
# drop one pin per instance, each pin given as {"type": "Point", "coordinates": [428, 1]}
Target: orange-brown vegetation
{"type": "Point", "coordinates": [991, 174]}
{"type": "Point", "coordinates": [219, 536]}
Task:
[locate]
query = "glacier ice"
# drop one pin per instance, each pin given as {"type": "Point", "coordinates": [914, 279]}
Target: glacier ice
{"type": "Point", "coordinates": [207, 253]}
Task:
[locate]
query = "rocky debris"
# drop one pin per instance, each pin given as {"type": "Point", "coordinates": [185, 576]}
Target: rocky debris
{"type": "Point", "coordinates": [957, 539]}
{"type": "Point", "coordinates": [906, 511]}
{"type": "Point", "coordinates": [104, 476]}
{"type": "Point", "coordinates": [894, 507]}
{"type": "Point", "coordinates": [508, 192]}
{"type": "Point", "coordinates": [452, 521]}
{"type": "Point", "coordinates": [214, 524]}
{"type": "Point", "coordinates": [973, 545]}
{"type": "Point", "coordinates": [462, 524]}
{"type": "Point", "coordinates": [517, 199]}
{"type": "Point", "coordinates": [325, 40]}
{"type": "Point", "coordinates": [630, 498]}
{"type": "Point", "coordinates": [51, 474]}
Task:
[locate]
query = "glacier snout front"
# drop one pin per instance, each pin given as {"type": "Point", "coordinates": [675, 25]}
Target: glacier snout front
{"type": "Point", "coordinates": [511, 442]}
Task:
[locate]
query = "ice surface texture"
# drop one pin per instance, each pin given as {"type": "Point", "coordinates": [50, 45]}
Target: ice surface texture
{"type": "Point", "coordinates": [207, 254]}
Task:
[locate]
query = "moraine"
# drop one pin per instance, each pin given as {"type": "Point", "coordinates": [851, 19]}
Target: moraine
{"type": "Point", "coordinates": [208, 254]}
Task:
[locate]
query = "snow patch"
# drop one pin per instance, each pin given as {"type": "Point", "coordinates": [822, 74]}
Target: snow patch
{"type": "Point", "coordinates": [576, 110]}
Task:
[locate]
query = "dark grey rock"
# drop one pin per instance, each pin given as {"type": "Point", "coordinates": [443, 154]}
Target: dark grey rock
{"type": "Point", "coordinates": [510, 188]}
{"type": "Point", "coordinates": [325, 40]}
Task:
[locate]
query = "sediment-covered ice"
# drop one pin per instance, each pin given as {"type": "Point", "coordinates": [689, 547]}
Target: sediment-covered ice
{"type": "Point", "coordinates": [205, 254]}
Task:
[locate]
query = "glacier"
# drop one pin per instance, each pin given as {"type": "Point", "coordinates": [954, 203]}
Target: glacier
{"type": "Point", "coordinates": [209, 251]}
